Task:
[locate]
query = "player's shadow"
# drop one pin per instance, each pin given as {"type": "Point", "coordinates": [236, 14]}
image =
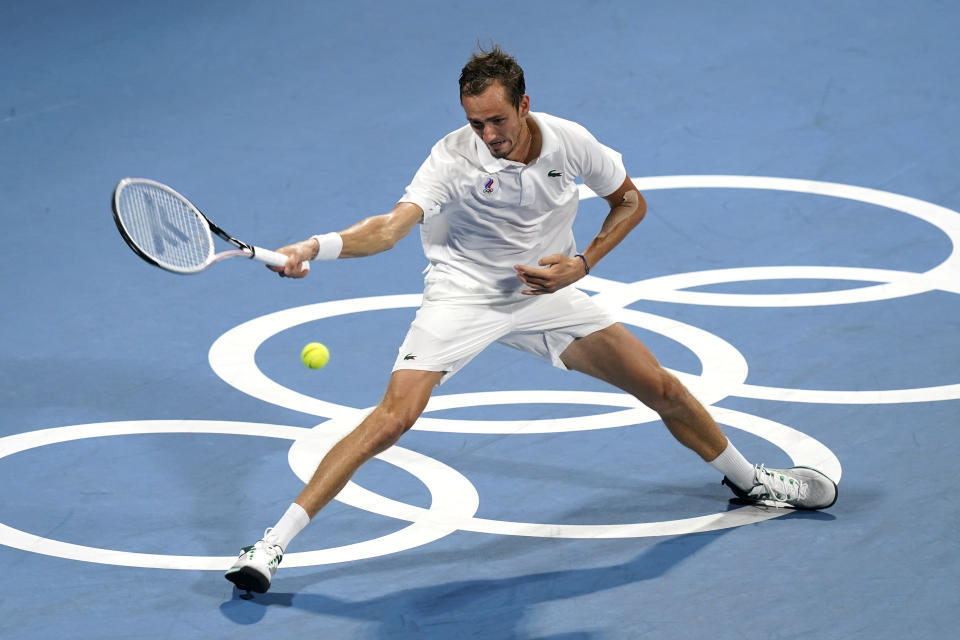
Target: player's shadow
{"type": "Point", "coordinates": [495, 606]}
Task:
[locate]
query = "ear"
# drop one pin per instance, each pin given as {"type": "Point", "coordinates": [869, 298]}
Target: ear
{"type": "Point", "coordinates": [524, 105]}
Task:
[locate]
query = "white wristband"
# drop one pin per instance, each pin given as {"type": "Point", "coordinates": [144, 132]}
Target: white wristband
{"type": "Point", "coordinates": [330, 246]}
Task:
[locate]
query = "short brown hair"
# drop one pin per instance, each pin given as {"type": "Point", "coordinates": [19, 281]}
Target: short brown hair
{"type": "Point", "coordinates": [487, 67]}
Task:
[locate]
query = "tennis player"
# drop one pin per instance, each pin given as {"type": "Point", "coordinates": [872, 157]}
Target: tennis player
{"type": "Point", "coordinates": [495, 202]}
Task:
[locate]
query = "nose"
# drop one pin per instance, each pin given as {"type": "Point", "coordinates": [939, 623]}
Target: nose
{"type": "Point", "coordinates": [489, 133]}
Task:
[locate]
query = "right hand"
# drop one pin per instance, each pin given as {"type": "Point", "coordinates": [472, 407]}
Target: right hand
{"type": "Point", "coordinates": [297, 254]}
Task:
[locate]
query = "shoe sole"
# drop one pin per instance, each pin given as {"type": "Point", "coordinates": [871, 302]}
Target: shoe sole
{"type": "Point", "coordinates": [248, 579]}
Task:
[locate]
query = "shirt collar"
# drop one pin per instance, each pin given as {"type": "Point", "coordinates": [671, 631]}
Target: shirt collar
{"type": "Point", "coordinates": [548, 145]}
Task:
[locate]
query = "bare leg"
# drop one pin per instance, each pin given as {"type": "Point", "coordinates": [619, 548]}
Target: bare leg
{"type": "Point", "coordinates": [616, 356]}
{"type": "Point", "coordinates": [406, 396]}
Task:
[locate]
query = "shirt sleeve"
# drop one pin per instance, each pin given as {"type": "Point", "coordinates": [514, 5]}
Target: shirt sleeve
{"type": "Point", "coordinates": [601, 168]}
{"type": "Point", "coordinates": [429, 188]}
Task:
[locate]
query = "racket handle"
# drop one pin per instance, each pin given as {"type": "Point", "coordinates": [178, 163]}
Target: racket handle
{"type": "Point", "coordinates": [274, 259]}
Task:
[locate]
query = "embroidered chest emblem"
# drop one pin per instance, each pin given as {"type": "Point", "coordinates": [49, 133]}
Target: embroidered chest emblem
{"type": "Point", "coordinates": [490, 185]}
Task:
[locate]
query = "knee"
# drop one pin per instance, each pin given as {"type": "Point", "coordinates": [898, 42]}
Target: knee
{"type": "Point", "coordinates": [385, 427]}
{"type": "Point", "coordinates": [667, 395]}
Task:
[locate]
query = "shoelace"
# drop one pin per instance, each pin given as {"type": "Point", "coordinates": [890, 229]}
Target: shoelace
{"type": "Point", "coordinates": [268, 545]}
{"type": "Point", "coordinates": [270, 540]}
{"type": "Point", "coordinates": [773, 485]}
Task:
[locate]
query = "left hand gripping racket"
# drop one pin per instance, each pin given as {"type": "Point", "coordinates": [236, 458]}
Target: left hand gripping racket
{"type": "Point", "coordinates": [168, 231]}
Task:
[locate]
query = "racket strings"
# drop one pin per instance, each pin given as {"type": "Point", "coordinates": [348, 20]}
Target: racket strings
{"type": "Point", "coordinates": [164, 227]}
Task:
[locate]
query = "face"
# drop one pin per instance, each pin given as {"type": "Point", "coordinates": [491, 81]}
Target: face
{"type": "Point", "coordinates": [497, 122]}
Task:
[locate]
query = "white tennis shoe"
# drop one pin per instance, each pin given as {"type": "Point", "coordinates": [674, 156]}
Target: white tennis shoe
{"type": "Point", "coordinates": [256, 565]}
{"type": "Point", "coordinates": [797, 487]}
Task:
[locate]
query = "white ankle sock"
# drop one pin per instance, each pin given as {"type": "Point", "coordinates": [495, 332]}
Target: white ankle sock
{"type": "Point", "coordinates": [292, 523]}
{"type": "Point", "coordinates": [732, 464]}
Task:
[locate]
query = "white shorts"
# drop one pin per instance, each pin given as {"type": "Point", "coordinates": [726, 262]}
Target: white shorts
{"type": "Point", "coordinates": [447, 334]}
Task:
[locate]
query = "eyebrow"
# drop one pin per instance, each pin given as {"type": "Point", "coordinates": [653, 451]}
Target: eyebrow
{"type": "Point", "coordinates": [490, 119]}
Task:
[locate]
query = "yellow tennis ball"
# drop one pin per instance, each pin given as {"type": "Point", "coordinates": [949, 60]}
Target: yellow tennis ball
{"type": "Point", "coordinates": [315, 355]}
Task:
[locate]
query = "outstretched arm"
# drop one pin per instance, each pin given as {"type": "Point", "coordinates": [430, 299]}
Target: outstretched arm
{"type": "Point", "coordinates": [365, 238]}
{"type": "Point", "coordinates": [627, 208]}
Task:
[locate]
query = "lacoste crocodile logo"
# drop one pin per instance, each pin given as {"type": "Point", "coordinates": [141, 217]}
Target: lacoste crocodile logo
{"type": "Point", "coordinates": [553, 173]}
{"type": "Point", "coordinates": [409, 356]}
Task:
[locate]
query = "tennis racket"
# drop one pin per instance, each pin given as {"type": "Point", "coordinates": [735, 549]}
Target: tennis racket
{"type": "Point", "coordinates": [168, 231]}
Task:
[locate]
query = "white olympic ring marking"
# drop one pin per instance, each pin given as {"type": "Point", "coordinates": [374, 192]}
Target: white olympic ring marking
{"type": "Point", "coordinates": [801, 448]}
{"type": "Point", "coordinates": [446, 512]}
{"type": "Point", "coordinates": [454, 499]}
{"type": "Point", "coordinates": [945, 276]}
{"type": "Point", "coordinates": [450, 492]}
{"type": "Point", "coordinates": [233, 357]}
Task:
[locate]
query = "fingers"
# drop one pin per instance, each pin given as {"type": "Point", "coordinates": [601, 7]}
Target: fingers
{"type": "Point", "coordinates": [296, 265]}
{"type": "Point", "coordinates": [294, 269]}
{"type": "Point", "coordinates": [558, 271]}
{"type": "Point", "coordinates": [540, 281]}
{"type": "Point", "coordinates": [295, 274]}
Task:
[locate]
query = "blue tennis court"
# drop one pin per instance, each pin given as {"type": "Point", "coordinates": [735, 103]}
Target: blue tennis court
{"type": "Point", "coordinates": [798, 269]}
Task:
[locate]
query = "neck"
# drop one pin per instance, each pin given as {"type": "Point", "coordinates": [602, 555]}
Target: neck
{"type": "Point", "coordinates": [529, 148]}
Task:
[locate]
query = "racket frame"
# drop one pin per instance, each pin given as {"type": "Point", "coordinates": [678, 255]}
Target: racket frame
{"type": "Point", "coordinates": [253, 252]}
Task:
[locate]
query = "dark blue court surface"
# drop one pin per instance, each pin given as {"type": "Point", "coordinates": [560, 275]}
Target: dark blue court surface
{"type": "Point", "coordinates": [797, 268]}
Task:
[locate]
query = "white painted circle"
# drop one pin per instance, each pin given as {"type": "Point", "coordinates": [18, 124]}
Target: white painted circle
{"type": "Point", "coordinates": [232, 357]}
{"type": "Point", "coordinates": [801, 448]}
{"type": "Point", "coordinates": [454, 499]}
{"type": "Point", "coordinates": [944, 276]}
{"type": "Point", "coordinates": [725, 369]}
{"type": "Point", "coordinates": [671, 288]}
{"type": "Point", "coordinates": [450, 492]}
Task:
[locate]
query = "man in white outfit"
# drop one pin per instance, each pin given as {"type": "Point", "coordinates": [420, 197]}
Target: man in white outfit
{"type": "Point", "coordinates": [495, 202]}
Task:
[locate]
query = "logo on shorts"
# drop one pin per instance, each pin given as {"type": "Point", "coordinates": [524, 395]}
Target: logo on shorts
{"type": "Point", "coordinates": [488, 187]}
{"type": "Point", "coordinates": [409, 356]}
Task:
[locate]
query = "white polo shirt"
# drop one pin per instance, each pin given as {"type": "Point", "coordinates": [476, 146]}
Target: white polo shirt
{"type": "Point", "coordinates": [482, 215]}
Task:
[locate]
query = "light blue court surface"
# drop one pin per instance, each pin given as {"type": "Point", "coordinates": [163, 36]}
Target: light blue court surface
{"type": "Point", "coordinates": [152, 424]}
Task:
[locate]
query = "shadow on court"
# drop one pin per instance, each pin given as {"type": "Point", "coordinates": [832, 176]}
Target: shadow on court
{"type": "Point", "coordinates": [493, 608]}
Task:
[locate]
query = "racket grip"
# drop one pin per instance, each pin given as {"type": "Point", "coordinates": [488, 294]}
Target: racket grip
{"type": "Point", "coordinates": [274, 259]}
